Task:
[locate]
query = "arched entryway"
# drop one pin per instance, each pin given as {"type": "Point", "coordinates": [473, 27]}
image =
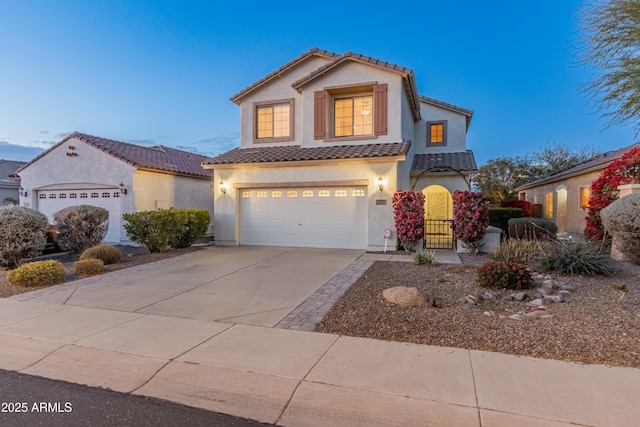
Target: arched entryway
{"type": "Point", "coordinates": [438, 217]}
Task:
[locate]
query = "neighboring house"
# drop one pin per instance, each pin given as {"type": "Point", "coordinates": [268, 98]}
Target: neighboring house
{"type": "Point", "coordinates": [326, 140]}
{"type": "Point", "coordinates": [9, 181]}
{"type": "Point", "coordinates": [564, 196]}
{"type": "Point", "coordinates": [117, 176]}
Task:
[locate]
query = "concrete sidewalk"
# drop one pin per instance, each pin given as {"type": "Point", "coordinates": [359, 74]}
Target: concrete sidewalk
{"type": "Point", "coordinates": [298, 378]}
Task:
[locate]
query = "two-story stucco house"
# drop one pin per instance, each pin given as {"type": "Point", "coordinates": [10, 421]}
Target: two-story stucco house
{"type": "Point", "coordinates": [326, 140]}
{"type": "Point", "coordinates": [120, 177]}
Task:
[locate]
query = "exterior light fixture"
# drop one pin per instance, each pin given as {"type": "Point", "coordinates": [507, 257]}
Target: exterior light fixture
{"type": "Point", "coordinates": [223, 187]}
{"type": "Point", "coordinates": [122, 189]}
{"type": "Point", "coordinates": [22, 192]}
{"type": "Point", "coordinates": [380, 183]}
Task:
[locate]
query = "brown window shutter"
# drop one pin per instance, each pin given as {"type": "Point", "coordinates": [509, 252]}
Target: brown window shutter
{"type": "Point", "coordinates": [380, 109]}
{"type": "Point", "coordinates": [319, 114]}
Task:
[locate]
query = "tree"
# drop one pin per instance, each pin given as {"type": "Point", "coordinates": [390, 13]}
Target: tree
{"type": "Point", "coordinates": [497, 179]}
{"type": "Point", "coordinates": [610, 36]}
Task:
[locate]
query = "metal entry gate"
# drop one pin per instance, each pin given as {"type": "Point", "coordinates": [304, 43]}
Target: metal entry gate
{"type": "Point", "coordinates": [438, 234]}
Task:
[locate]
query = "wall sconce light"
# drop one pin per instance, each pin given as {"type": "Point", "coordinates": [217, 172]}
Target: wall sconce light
{"type": "Point", "coordinates": [22, 192]}
{"type": "Point", "coordinates": [223, 187]}
{"type": "Point", "coordinates": [380, 183]}
{"type": "Point", "coordinates": [122, 189]}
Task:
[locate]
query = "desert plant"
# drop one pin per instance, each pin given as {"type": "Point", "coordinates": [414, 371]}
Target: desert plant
{"type": "Point", "coordinates": [38, 273]}
{"type": "Point", "coordinates": [107, 254]}
{"type": "Point", "coordinates": [499, 217]}
{"type": "Point", "coordinates": [532, 228]}
{"type": "Point", "coordinates": [504, 275]}
{"type": "Point", "coordinates": [22, 234]}
{"type": "Point", "coordinates": [575, 258]}
{"type": "Point", "coordinates": [425, 257]}
{"type": "Point", "coordinates": [88, 267]}
{"type": "Point", "coordinates": [80, 227]}
{"type": "Point", "coordinates": [621, 219]}
{"type": "Point", "coordinates": [518, 250]}
{"type": "Point", "coordinates": [526, 206]}
{"type": "Point", "coordinates": [408, 212]}
{"type": "Point", "coordinates": [470, 218]}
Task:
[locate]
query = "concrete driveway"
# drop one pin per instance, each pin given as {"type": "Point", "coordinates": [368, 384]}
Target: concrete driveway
{"type": "Point", "coordinates": [243, 284]}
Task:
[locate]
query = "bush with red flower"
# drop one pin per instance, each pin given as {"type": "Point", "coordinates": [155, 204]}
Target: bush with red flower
{"type": "Point", "coordinates": [521, 204]}
{"type": "Point", "coordinates": [504, 275]}
{"type": "Point", "coordinates": [470, 218]}
{"type": "Point", "coordinates": [408, 212]}
{"type": "Point", "coordinates": [604, 190]}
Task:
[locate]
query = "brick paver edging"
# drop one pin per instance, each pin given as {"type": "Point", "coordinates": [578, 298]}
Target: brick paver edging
{"type": "Point", "coordinates": [313, 309]}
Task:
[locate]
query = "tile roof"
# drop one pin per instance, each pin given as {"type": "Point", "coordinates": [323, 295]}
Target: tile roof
{"type": "Point", "coordinates": [290, 153]}
{"type": "Point", "coordinates": [8, 170]}
{"type": "Point", "coordinates": [442, 162]}
{"type": "Point", "coordinates": [158, 158]}
{"type": "Point", "coordinates": [593, 164]}
{"type": "Point", "coordinates": [407, 74]}
{"type": "Point", "coordinates": [450, 107]}
{"type": "Point", "coordinates": [311, 52]}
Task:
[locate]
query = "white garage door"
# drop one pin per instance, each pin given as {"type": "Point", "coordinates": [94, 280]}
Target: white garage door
{"type": "Point", "coordinates": [50, 202]}
{"type": "Point", "coordinates": [304, 217]}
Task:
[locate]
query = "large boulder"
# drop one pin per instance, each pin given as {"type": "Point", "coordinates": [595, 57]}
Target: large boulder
{"type": "Point", "coordinates": [405, 296]}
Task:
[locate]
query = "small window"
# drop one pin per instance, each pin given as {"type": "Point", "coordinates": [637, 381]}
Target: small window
{"type": "Point", "coordinates": [276, 194]}
{"type": "Point", "coordinates": [292, 194]}
{"type": "Point", "coordinates": [261, 194]}
{"type": "Point", "coordinates": [246, 194]}
{"type": "Point", "coordinates": [73, 195]}
{"type": "Point", "coordinates": [585, 195]}
{"type": "Point", "coordinates": [106, 194]}
{"type": "Point", "coordinates": [42, 196]}
{"type": "Point", "coordinates": [62, 195]}
{"type": "Point", "coordinates": [52, 196]}
{"type": "Point", "coordinates": [341, 193]}
{"type": "Point", "coordinates": [324, 193]}
{"type": "Point", "coordinates": [307, 193]}
{"type": "Point", "coordinates": [437, 133]}
{"type": "Point", "coordinates": [116, 194]}
{"type": "Point", "coordinates": [548, 205]}
{"type": "Point", "coordinates": [95, 195]}
{"type": "Point", "coordinates": [357, 193]}
{"type": "Point", "coordinates": [83, 195]}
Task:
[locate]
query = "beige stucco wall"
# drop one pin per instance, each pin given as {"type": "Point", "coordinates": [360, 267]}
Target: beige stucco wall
{"type": "Point", "coordinates": [152, 191]}
{"type": "Point", "coordinates": [575, 221]}
{"type": "Point", "coordinates": [317, 174]}
{"type": "Point", "coordinates": [90, 168]}
{"type": "Point", "coordinates": [456, 130]}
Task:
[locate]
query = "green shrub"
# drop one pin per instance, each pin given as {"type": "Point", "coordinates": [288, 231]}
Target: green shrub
{"type": "Point", "coordinates": [88, 267]}
{"type": "Point", "coordinates": [39, 273]}
{"type": "Point", "coordinates": [81, 227]}
{"type": "Point", "coordinates": [532, 228]}
{"type": "Point", "coordinates": [504, 275]}
{"type": "Point", "coordinates": [191, 224]}
{"type": "Point", "coordinates": [621, 219]}
{"type": "Point", "coordinates": [107, 254]}
{"type": "Point", "coordinates": [161, 230]}
{"type": "Point", "coordinates": [424, 257]}
{"type": "Point", "coordinates": [526, 206]}
{"type": "Point", "coordinates": [519, 250]}
{"type": "Point", "coordinates": [575, 258]}
{"type": "Point", "coordinates": [22, 234]}
{"type": "Point", "coordinates": [499, 217]}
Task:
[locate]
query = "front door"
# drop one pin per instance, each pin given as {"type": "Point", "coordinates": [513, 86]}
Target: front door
{"type": "Point", "coordinates": [438, 218]}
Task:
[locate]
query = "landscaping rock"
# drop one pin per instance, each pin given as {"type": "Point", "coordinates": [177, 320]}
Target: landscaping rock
{"type": "Point", "coordinates": [405, 296]}
{"type": "Point", "coordinates": [520, 296]}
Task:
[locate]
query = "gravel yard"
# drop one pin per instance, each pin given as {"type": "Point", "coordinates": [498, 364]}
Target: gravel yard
{"type": "Point", "coordinates": [591, 326]}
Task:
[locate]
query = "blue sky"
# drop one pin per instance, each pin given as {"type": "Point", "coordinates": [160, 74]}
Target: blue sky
{"type": "Point", "coordinates": [161, 72]}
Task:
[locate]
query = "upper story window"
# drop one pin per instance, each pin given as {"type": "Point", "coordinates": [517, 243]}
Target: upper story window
{"type": "Point", "coordinates": [357, 111]}
{"type": "Point", "coordinates": [437, 133]}
{"type": "Point", "coordinates": [353, 116]}
{"type": "Point", "coordinates": [274, 121]}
